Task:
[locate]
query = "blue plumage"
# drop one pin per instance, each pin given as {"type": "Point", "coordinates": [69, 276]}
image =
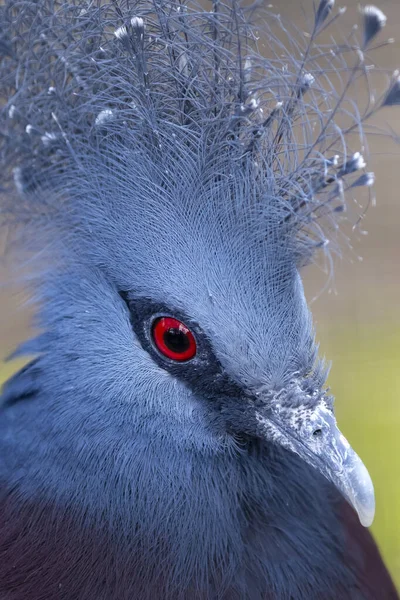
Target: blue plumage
{"type": "Point", "coordinates": [163, 166]}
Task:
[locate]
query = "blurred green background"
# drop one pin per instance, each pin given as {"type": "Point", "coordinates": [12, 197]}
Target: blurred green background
{"type": "Point", "coordinates": [357, 321]}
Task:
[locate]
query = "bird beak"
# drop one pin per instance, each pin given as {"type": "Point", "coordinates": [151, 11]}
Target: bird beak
{"type": "Point", "coordinates": [314, 435]}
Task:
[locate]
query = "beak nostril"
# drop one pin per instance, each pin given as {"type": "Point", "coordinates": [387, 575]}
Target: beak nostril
{"type": "Point", "coordinates": [317, 433]}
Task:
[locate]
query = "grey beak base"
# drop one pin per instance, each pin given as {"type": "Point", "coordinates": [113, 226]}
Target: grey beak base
{"type": "Point", "coordinates": [313, 435]}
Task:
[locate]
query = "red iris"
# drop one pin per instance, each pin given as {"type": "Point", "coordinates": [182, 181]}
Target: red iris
{"type": "Point", "coordinates": [173, 339]}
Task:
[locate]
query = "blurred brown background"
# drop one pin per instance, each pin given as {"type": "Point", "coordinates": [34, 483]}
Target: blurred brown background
{"type": "Point", "coordinates": [358, 323]}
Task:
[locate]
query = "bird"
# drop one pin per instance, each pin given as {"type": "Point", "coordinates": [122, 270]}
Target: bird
{"type": "Point", "coordinates": [169, 169]}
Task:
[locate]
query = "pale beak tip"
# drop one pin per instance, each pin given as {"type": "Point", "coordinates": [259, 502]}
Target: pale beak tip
{"type": "Point", "coordinates": [366, 519]}
{"type": "Point", "coordinates": [360, 490]}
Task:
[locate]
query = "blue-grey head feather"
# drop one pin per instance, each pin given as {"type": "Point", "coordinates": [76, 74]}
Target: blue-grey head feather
{"type": "Point", "coordinates": [166, 159]}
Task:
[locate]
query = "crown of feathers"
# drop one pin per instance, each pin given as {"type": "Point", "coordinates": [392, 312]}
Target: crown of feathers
{"type": "Point", "coordinates": [97, 85]}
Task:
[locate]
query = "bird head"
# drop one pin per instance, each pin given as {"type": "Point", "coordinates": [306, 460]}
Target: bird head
{"type": "Point", "coordinates": [180, 181]}
{"type": "Point", "coordinates": [221, 314]}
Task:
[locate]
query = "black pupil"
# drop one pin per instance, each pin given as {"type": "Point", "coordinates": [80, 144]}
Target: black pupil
{"type": "Point", "coordinates": [176, 340]}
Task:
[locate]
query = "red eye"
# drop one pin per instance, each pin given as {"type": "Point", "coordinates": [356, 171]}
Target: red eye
{"type": "Point", "coordinates": [173, 339]}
